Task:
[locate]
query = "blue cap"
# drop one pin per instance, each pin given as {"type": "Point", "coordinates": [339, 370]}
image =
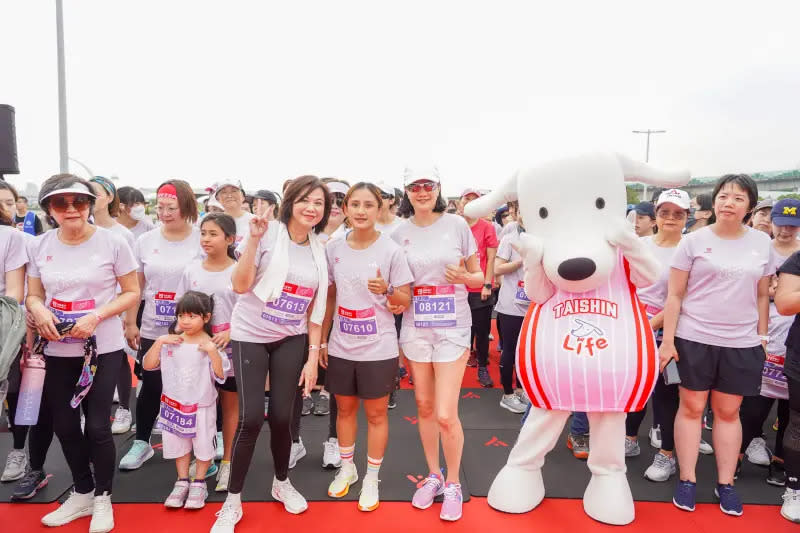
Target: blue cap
{"type": "Point", "coordinates": [645, 209]}
{"type": "Point", "coordinates": [786, 212]}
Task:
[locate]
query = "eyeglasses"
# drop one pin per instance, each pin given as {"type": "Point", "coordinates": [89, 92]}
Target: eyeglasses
{"type": "Point", "coordinates": [429, 186]}
{"type": "Point", "coordinates": [337, 199]}
{"type": "Point", "coordinates": [675, 215]}
{"type": "Point", "coordinates": [169, 210]}
{"type": "Point", "coordinates": [61, 203]}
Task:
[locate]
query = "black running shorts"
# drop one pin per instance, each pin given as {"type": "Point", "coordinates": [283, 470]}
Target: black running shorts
{"type": "Point", "coordinates": [368, 380]}
{"type": "Point", "coordinates": [729, 370]}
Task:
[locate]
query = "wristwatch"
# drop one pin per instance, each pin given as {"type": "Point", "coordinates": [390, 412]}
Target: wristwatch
{"type": "Point", "coordinates": [487, 286]}
{"type": "Point", "coordinates": [390, 290]}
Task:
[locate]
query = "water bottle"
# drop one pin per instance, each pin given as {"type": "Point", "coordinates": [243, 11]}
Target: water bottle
{"type": "Point", "coordinates": [30, 391]}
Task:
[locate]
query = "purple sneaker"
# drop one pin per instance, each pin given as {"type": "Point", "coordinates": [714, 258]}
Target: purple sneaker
{"type": "Point", "coordinates": [198, 492]}
{"type": "Point", "coordinates": [433, 487]}
{"type": "Point", "coordinates": [177, 497]}
{"type": "Point", "coordinates": [453, 500]}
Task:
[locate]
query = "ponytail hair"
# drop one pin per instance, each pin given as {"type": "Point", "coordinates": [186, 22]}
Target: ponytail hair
{"type": "Point", "coordinates": [228, 227]}
{"type": "Point", "coordinates": [198, 303]}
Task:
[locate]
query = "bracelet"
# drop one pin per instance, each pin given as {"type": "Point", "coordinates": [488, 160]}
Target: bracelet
{"type": "Point", "coordinates": [323, 345]}
{"type": "Point", "coordinates": [98, 315]}
{"type": "Point", "coordinates": [312, 347]}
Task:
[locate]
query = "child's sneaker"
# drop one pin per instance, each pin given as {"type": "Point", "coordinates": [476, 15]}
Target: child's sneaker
{"type": "Point", "coordinates": [453, 501]}
{"type": "Point", "coordinates": [433, 487]}
{"type": "Point", "coordinates": [177, 497]}
{"type": "Point", "coordinates": [198, 492]}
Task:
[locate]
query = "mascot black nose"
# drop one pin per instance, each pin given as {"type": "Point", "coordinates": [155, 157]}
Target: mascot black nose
{"type": "Point", "coordinates": [576, 269]}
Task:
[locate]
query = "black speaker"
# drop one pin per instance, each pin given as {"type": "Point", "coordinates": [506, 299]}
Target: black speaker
{"type": "Point", "coordinates": [8, 141]}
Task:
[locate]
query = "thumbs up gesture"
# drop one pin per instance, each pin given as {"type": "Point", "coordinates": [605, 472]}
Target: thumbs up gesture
{"type": "Point", "coordinates": [456, 273]}
{"type": "Point", "coordinates": [377, 285]}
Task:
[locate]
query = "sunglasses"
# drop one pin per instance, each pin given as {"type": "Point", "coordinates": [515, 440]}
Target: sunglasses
{"type": "Point", "coordinates": [429, 186]}
{"type": "Point", "coordinates": [337, 199]}
{"type": "Point", "coordinates": [61, 203]}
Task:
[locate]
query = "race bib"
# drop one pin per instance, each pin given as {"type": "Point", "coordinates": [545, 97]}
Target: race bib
{"type": "Point", "coordinates": [177, 418]}
{"type": "Point", "coordinates": [435, 306]}
{"type": "Point", "coordinates": [773, 380]}
{"type": "Point", "coordinates": [71, 312]}
{"type": "Point", "coordinates": [228, 349]}
{"type": "Point", "coordinates": [359, 325]}
{"type": "Point", "coordinates": [165, 308]}
{"type": "Point", "coordinates": [521, 298]}
{"type": "Point", "coordinates": [289, 309]}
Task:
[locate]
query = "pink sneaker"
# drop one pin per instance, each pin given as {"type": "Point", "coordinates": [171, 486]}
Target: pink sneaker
{"type": "Point", "coordinates": [198, 492]}
{"type": "Point", "coordinates": [177, 497]}
{"type": "Point", "coordinates": [453, 500]}
{"type": "Point", "coordinates": [432, 488]}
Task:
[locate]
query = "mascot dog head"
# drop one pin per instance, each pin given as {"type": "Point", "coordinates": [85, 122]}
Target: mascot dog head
{"type": "Point", "coordinates": [571, 204]}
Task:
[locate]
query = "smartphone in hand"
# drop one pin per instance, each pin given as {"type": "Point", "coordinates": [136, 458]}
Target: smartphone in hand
{"type": "Point", "coordinates": [670, 373]}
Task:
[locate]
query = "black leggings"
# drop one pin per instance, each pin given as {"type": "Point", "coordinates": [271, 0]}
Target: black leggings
{"type": "Point", "coordinates": [95, 448]}
{"type": "Point", "coordinates": [754, 412]}
{"type": "Point", "coordinates": [252, 362]}
{"type": "Point", "coordinates": [148, 403]}
{"type": "Point", "coordinates": [19, 433]}
{"type": "Point", "coordinates": [665, 402]}
{"type": "Point", "coordinates": [481, 327]}
{"type": "Point", "coordinates": [508, 327]}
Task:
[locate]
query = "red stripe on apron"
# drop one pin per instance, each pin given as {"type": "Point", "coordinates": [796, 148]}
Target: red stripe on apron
{"type": "Point", "coordinates": [638, 326]}
{"type": "Point", "coordinates": [529, 334]}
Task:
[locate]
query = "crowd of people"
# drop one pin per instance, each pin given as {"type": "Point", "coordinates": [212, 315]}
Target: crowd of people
{"type": "Point", "coordinates": [251, 301]}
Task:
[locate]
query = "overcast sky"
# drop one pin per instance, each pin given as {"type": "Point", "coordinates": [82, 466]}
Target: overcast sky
{"type": "Point", "coordinates": [263, 91]}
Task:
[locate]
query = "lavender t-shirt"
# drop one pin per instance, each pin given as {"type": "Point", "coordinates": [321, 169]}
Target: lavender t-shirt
{"type": "Point", "coordinates": [428, 251]}
{"type": "Point", "coordinates": [162, 263]}
{"type": "Point", "coordinates": [255, 321]}
{"type": "Point", "coordinates": [654, 296]}
{"type": "Point", "coordinates": [79, 279]}
{"type": "Point", "coordinates": [363, 329]}
{"type": "Point", "coordinates": [216, 284]}
{"type": "Point", "coordinates": [512, 299]}
{"type": "Point", "coordinates": [242, 226]}
{"type": "Point", "coordinates": [12, 253]}
{"type": "Point", "coordinates": [142, 227]}
{"type": "Point", "coordinates": [720, 306]}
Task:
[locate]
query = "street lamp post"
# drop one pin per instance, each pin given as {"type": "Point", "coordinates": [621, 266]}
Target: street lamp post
{"type": "Point", "coordinates": [63, 150]}
{"type": "Point", "coordinates": [647, 132]}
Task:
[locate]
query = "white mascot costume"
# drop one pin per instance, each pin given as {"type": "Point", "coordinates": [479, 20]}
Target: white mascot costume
{"type": "Point", "coordinates": [586, 343]}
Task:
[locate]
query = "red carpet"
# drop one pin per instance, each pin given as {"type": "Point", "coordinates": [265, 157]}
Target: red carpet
{"type": "Point", "coordinates": [331, 517]}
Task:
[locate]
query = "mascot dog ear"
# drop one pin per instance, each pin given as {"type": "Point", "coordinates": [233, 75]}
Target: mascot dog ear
{"type": "Point", "coordinates": [484, 205]}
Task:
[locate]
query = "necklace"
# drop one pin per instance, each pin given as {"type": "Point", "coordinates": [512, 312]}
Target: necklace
{"type": "Point", "coordinates": [298, 243]}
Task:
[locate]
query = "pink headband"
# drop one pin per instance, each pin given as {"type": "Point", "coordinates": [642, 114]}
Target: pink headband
{"type": "Point", "coordinates": [168, 191]}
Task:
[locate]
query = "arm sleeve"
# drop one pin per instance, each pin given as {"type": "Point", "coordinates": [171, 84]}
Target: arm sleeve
{"type": "Point", "coordinates": [683, 258]}
{"type": "Point", "coordinates": [32, 246]}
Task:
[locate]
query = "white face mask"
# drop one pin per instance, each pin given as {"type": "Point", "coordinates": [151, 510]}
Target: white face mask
{"type": "Point", "coordinates": [137, 212]}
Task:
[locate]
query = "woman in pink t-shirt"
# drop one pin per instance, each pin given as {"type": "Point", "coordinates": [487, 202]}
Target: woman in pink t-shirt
{"type": "Point", "coordinates": [13, 259]}
{"type": "Point", "coordinates": [369, 276]}
{"type": "Point", "coordinates": [162, 254]}
{"type": "Point", "coordinates": [435, 335]}
{"type": "Point", "coordinates": [715, 327]}
{"type": "Point", "coordinates": [276, 328]}
{"type": "Point", "coordinates": [73, 278]}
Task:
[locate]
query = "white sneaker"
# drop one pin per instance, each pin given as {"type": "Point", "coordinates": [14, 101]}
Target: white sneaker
{"type": "Point", "coordinates": [122, 421]}
{"type": "Point", "coordinates": [227, 518]}
{"type": "Point", "coordinates": [344, 478]}
{"type": "Point", "coordinates": [790, 509]}
{"type": "Point", "coordinates": [655, 437]}
{"type": "Point", "coordinates": [74, 507]}
{"type": "Point", "coordinates": [705, 448]}
{"type": "Point", "coordinates": [223, 477]}
{"type": "Point", "coordinates": [16, 462]}
{"type": "Point", "coordinates": [297, 453]}
{"type": "Point", "coordinates": [220, 447]}
{"type": "Point", "coordinates": [102, 514]}
{"type": "Point", "coordinates": [330, 453]}
{"type": "Point", "coordinates": [369, 498]}
{"type": "Point", "coordinates": [284, 492]}
{"type": "Point", "coordinates": [662, 468]}
{"type": "Point", "coordinates": [523, 397]}
{"type": "Point", "coordinates": [512, 403]}
{"type": "Point", "coordinates": [757, 452]}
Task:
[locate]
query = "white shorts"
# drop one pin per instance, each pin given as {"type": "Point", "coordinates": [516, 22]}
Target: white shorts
{"type": "Point", "coordinates": [436, 345]}
{"type": "Point", "coordinates": [202, 443]}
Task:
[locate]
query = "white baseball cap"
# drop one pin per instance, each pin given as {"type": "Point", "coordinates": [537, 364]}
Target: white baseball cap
{"type": "Point", "coordinates": [228, 183]}
{"type": "Point", "coordinates": [475, 192]}
{"type": "Point", "coordinates": [385, 189]}
{"type": "Point", "coordinates": [674, 196]}
{"type": "Point", "coordinates": [337, 187]}
{"type": "Point", "coordinates": [410, 175]}
{"type": "Point", "coordinates": [75, 188]}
